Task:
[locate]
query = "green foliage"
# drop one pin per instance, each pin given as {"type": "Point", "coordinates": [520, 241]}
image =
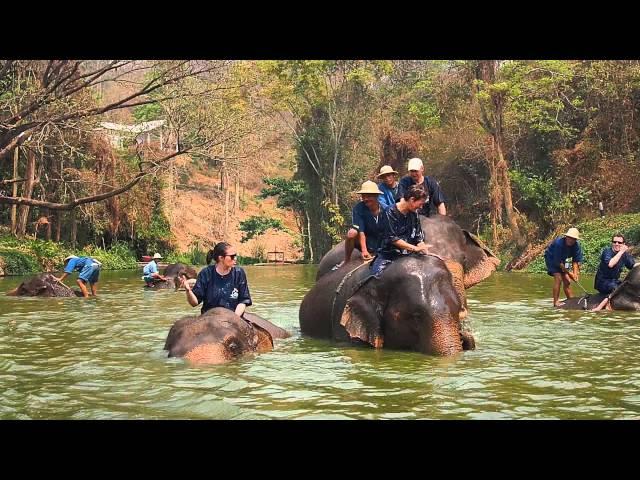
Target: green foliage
{"type": "Point", "coordinates": [290, 193]}
{"type": "Point", "coordinates": [596, 235]}
{"type": "Point", "coordinates": [148, 112]}
{"type": "Point", "coordinates": [540, 193]}
{"type": "Point", "coordinates": [116, 257]}
{"type": "Point", "coordinates": [255, 226]}
{"type": "Point", "coordinates": [17, 262]}
{"type": "Point", "coordinates": [335, 224]}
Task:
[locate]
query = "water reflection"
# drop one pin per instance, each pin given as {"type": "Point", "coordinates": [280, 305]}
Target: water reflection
{"type": "Point", "coordinates": [103, 358]}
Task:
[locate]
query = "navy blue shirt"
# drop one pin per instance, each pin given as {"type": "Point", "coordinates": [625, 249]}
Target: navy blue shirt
{"type": "Point", "coordinates": [400, 227]}
{"type": "Point", "coordinates": [605, 272]}
{"type": "Point", "coordinates": [372, 226]}
{"type": "Point", "coordinates": [558, 251]}
{"type": "Point", "coordinates": [436, 197]}
{"type": "Point", "coordinates": [215, 290]}
{"type": "Point", "coordinates": [390, 196]}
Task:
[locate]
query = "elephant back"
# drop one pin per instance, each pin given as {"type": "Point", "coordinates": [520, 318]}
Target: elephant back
{"type": "Point", "coordinates": [328, 298]}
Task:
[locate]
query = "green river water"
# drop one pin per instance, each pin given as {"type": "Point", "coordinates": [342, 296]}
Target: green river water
{"type": "Point", "coordinates": [102, 359]}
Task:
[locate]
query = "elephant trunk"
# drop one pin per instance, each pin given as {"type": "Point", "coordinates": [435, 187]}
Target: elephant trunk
{"type": "Point", "coordinates": [457, 274]}
{"type": "Point", "coordinates": [445, 337]}
{"type": "Point", "coordinates": [13, 293]}
{"type": "Point", "coordinates": [209, 354]}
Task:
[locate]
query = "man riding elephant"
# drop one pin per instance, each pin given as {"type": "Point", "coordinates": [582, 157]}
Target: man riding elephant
{"type": "Point", "coordinates": [466, 257]}
{"type": "Point", "coordinates": [625, 297]}
{"type": "Point", "coordinates": [412, 305]}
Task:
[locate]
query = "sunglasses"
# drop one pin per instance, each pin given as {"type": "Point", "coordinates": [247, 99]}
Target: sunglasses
{"type": "Point", "coordinates": [616, 242]}
{"type": "Point", "coordinates": [232, 257]}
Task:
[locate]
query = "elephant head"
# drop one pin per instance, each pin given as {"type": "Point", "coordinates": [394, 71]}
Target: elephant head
{"type": "Point", "coordinates": [413, 305]}
{"type": "Point", "coordinates": [43, 285]}
{"type": "Point", "coordinates": [173, 272]}
{"type": "Point", "coordinates": [219, 335]}
{"type": "Point", "coordinates": [627, 295]}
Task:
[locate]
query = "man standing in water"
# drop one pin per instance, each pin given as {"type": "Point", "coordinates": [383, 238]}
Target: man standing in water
{"type": "Point", "coordinates": [555, 257]}
{"type": "Point", "coordinates": [89, 269]}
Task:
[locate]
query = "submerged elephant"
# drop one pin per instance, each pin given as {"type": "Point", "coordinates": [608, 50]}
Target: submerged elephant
{"type": "Point", "coordinates": [173, 272]}
{"type": "Point", "coordinates": [625, 297]}
{"type": "Point", "coordinates": [466, 257]}
{"type": "Point", "coordinates": [219, 335]}
{"type": "Point", "coordinates": [413, 305]}
{"type": "Point", "coordinates": [43, 285]}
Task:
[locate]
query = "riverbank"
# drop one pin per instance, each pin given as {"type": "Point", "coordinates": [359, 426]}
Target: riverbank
{"type": "Point", "coordinates": [29, 256]}
{"type": "Point", "coordinates": [596, 235]}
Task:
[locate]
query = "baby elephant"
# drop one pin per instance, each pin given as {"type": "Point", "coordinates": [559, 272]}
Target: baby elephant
{"type": "Point", "coordinates": [219, 335]}
{"type": "Point", "coordinates": [43, 285]}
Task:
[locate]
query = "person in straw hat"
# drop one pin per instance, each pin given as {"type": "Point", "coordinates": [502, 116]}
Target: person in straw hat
{"type": "Point", "coordinates": [555, 258]}
{"type": "Point", "coordinates": [89, 269]}
{"type": "Point", "coordinates": [150, 272]}
{"type": "Point", "coordinates": [367, 229]}
{"type": "Point", "coordinates": [392, 190]}
{"type": "Point", "coordinates": [435, 197]}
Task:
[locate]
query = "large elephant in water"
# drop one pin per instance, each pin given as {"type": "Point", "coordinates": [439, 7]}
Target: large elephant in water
{"type": "Point", "coordinates": [44, 285]}
{"type": "Point", "coordinates": [466, 257]}
{"type": "Point", "coordinates": [625, 297]}
{"type": "Point", "coordinates": [219, 335]}
{"type": "Point", "coordinates": [413, 305]}
{"type": "Point", "coordinates": [173, 272]}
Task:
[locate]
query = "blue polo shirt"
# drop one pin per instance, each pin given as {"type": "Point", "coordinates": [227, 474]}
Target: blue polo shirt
{"type": "Point", "coordinates": [150, 268]}
{"type": "Point", "coordinates": [558, 252]}
{"type": "Point", "coordinates": [215, 290]}
{"type": "Point", "coordinates": [372, 226]}
{"type": "Point", "coordinates": [436, 197]}
{"type": "Point", "coordinates": [390, 196]}
{"type": "Point", "coordinates": [78, 264]}
{"type": "Point", "coordinates": [604, 272]}
{"type": "Point", "coordinates": [400, 227]}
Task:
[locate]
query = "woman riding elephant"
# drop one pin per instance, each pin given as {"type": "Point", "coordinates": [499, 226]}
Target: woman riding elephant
{"type": "Point", "coordinates": [224, 330]}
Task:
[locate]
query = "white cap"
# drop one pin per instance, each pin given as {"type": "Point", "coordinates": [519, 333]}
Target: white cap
{"type": "Point", "coordinates": [415, 164]}
{"type": "Point", "coordinates": [157, 255]}
{"type": "Point", "coordinates": [70, 257]}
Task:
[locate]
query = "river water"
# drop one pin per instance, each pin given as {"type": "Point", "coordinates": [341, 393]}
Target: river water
{"type": "Point", "coordinates": [102, 359]}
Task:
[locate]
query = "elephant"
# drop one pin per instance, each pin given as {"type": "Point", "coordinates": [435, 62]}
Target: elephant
{"type": "Point", "coordinates": [466, 257]}
{"type": "Point", "coordinates": [412, 305]}
{"type": "Point", "coordinates": [625, 297]}
{"type": "Point", "coordinates": [219, 335]}
{"type": "Point", "coordinates": [173, 271]}
{"type": "Point", "coordinates": [44, 285]}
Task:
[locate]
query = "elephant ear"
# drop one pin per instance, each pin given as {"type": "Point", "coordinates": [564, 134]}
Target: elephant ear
{"type": "Point", "coordinates": [362, 319]}
{"type": "Point", "coordinates": [480, 261]}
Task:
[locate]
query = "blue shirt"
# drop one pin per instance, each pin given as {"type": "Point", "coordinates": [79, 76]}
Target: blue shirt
{"type": "Point", "coordinates": [372, 226]}
{"type": "Point", "coordinates": [390, 196]}
{"type": "Point", "coordinates": [558, 251]}
{"type": "Point", "coordinates": [400, 227]}
{"type": "Point", "coordinates": [215, 290]}
{"type": "Point", "coordinates": [150, 268]}
{"type": "Point", "coordinates": [436, 197]}
{"type": "Point", "coordinates": [604, 272]}
{"type": "Point", "coordinates": [78, 264]}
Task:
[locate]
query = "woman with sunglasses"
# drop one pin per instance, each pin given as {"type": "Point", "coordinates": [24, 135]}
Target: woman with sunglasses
{"type": "Point", "coordinates": [222, 284]}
